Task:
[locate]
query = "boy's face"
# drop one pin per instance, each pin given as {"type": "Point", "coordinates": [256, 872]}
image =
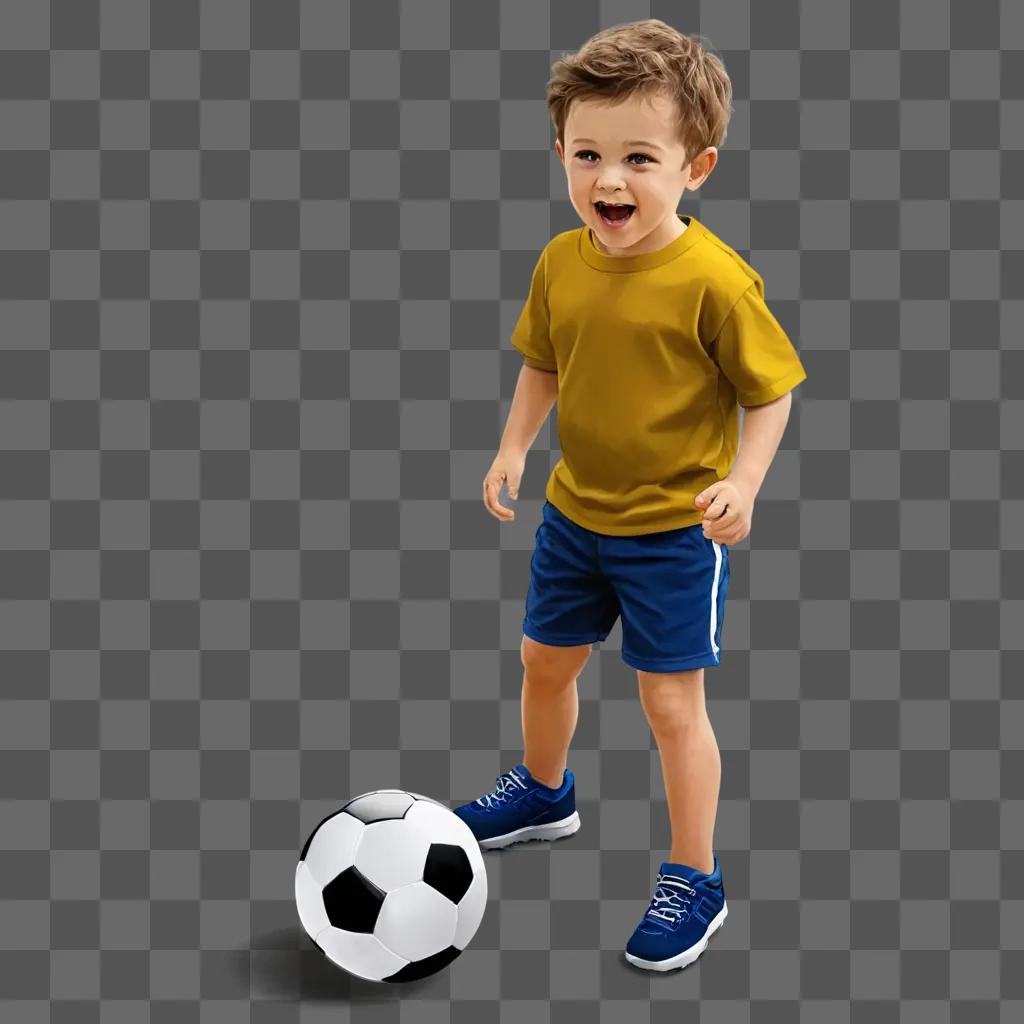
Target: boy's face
{"type": "Point", "coordinates": [603, 164]}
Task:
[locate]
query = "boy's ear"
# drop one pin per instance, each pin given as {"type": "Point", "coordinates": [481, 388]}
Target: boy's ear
{"type": "Point", "coordinates": [558, 150]}
{"type": "Point", "coordinates": [701, 167]}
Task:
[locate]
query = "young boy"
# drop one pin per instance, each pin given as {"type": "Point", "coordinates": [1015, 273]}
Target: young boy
{"type": "Point", "coordinates": [650, 332]}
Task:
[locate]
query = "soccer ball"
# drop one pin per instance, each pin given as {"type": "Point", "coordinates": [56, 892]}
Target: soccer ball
{"type": "Point", "coordinates": [392, 886]}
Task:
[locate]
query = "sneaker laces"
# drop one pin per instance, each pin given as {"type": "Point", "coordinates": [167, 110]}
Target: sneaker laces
{"type": "Point", "coordinates": [508, 783]}
{"type": "Point", "coordinates": [671, 900]}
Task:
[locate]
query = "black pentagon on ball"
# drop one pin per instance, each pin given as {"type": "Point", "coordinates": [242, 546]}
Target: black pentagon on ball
{"type": "Point", "coordinates": [384, 805]}
{"type": "Point", "coordinates": [352, 901]}
{"type": "Point", "coordinates": [448, 870]}
{"type": "Point", "coordinates": [417, 969]}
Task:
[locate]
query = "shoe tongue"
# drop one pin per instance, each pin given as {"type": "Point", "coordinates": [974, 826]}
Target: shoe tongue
{"type": "Point", "coordinates": [682, 871]}
{"type": "Point", "coordinates": [524, 772]}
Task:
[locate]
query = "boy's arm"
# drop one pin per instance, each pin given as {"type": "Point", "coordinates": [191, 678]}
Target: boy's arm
{"type": "Point", "coordinates": [536, 392]}
{"type": "Point", "coordinates": [763, 427]}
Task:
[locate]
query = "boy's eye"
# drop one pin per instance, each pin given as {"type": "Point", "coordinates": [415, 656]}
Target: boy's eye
{"type": "Point", "coordinates": [590, 152]}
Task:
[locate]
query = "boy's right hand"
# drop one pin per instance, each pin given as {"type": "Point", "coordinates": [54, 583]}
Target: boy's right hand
{"type": "Point", "coordinates": [506, 468]}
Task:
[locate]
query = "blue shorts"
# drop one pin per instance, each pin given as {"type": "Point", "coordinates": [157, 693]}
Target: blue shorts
{"type": "Point", "coordinates": [669, 587]}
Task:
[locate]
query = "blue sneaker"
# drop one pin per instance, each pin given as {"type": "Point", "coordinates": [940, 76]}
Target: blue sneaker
{"type": "Point", "coordinates": [687, 909]}
{"type": "Point", "coordinates": [521, 808]}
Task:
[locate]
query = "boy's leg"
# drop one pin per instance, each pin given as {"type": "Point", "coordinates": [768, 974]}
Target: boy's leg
{"type": "Point", "coordinates": [550, 705]}
{"type": "Point", "coordinates": [690, 761]}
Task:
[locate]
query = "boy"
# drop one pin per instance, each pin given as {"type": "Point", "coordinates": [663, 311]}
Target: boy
{"type": "Point", "coordinates": [650, 332]}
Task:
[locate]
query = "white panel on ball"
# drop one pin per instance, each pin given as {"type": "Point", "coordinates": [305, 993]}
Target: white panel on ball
{"type": "Point", "coordinates": [309, 899]}
{"type": "Point", "coordinates": [471, 911]}
{"type": "Point", "coordinates": [333, 847]}
{"type": "Point", "coordinates": [360, 954]}
{"type": "Point", "coordinates": [435, 916]}
{"type": "Point", "coordinates": [392, 853]}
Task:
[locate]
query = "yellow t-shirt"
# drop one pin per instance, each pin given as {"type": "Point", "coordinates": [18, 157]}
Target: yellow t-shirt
{"type": "Point", "coordinates": [654, 354]}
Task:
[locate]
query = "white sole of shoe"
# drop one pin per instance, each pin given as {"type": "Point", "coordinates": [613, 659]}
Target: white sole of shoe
{"type": "Point", "coordinates": [688, 955]}
{"type": "Point", "coordinates": [550, 830]}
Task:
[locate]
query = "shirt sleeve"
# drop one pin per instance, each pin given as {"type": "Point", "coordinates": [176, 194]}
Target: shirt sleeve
{"type": "Point", "coordinates": [532, 332]}
{"type": "Point", "coordinates": [754, 352]}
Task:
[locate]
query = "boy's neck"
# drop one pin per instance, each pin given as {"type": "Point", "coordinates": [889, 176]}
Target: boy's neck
{"type": "Point", "coordinates": [649, 246]}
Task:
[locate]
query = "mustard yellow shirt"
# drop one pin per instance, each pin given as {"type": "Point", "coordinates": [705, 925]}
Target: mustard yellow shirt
{"type": "Point", "coordinates": [654, 354]}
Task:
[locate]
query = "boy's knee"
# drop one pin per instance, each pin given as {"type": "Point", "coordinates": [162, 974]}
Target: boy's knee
{"type": "Point", "coordinates": [551, 663]}
{"type": "Point", "coordinates": [672, 700]}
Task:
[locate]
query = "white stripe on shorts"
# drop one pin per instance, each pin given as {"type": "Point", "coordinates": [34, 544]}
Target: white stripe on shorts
{"type": "Point", "coordinates": [714, 595]}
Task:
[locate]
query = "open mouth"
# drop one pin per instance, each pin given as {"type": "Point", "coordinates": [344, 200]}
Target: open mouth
{"type": "Point", "coordinates": [614, 214]}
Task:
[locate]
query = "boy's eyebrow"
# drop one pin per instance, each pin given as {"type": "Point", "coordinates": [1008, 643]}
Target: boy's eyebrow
{"type": "Point", "coordinates": [628, 142]}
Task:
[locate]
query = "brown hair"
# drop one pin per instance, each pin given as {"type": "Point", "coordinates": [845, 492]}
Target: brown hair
{"type": "Point", "coordinates": [647, 57]}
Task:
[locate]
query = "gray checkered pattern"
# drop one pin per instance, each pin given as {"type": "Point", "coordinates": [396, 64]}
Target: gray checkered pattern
{"type": "Point", "coordinates": [259, 267]}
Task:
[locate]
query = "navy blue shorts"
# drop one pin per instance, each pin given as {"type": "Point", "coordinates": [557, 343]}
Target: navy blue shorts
{"type": "Point", "coordinates": [668, 586]}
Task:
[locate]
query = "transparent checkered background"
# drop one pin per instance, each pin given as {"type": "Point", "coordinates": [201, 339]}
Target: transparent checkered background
{"type": "Point", "coordinates": [260, 263]}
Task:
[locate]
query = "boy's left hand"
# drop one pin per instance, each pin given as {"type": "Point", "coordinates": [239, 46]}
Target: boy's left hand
{"type": "Point", "coordinates": [728, 507]}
